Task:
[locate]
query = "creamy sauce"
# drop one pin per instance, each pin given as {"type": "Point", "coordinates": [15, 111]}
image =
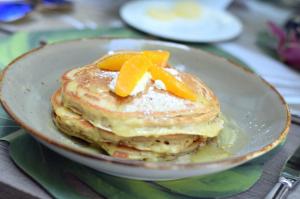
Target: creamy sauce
{"type": "Point", "coordinates": [229, 142]}
{"type": "Point", "coordinates": [208, 153]}
{"type": "Point", "coordinates": [140, 86]}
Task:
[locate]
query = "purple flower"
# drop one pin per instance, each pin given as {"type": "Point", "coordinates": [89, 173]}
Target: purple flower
{"type": "Point", "coordinates": [288, 46]}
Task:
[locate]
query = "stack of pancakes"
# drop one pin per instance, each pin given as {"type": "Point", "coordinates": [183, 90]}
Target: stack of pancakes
{"type": "Point", "coordinates": [153, 125]}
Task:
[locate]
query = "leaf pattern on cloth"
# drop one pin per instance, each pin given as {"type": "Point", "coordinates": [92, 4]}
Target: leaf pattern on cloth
{"type": "Point", "coordinates": [49, 170]}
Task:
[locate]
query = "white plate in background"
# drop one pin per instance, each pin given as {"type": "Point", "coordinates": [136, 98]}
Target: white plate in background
{"type": "Point", "coordinates": [213, 23]}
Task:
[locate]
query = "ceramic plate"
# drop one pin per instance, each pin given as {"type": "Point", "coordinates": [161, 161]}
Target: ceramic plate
{"type": "Point", "coordinates": [210, 25]}
{"type": "Point", "coordinates": [274, 71]}
{"type": "Point", "coordinates": [256, 107]}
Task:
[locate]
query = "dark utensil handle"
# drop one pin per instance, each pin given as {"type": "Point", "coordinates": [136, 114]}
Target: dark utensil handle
{"type": "Point", "coordinates": [281, 189]}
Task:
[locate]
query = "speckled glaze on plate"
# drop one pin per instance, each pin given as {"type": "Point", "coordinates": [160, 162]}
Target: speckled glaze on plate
{"type": "Point", "coordinates": [256, 106]}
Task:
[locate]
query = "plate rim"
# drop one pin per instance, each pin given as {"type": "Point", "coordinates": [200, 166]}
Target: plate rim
{"type": "Point", "coordinates": [137, 27]}
{"type": "Point", "coordinates": [142, 164]}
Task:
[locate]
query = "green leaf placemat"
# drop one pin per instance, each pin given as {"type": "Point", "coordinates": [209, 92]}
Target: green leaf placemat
{"type": "Point", "coordinates": [49, 169]}
{"type": "Point", "coordinates": [7, 125]}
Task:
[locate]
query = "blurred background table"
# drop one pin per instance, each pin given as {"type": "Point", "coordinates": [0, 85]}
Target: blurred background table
{"type": "Point", "coordinates": [96, 13]}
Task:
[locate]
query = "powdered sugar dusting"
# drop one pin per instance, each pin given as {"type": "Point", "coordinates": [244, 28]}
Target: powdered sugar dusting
{"type": "Point", "coordinates": [159, 84]}
{"type": "Point", "coordinates": [112, 84]}
{"type": "Point", "coordinates": [154, 101]}
{"type": "Point", "coordinates": [107, 74]}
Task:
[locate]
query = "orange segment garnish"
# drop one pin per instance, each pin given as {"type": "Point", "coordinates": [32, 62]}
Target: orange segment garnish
{"type": "Point", "coordinates": [172, 84]}
{"type": "Point", "coordinates": [115, 61]}
{"type": "Point", "coordinates": [131, 72]}
{"type": "Point", "coordinates": [158, 57]}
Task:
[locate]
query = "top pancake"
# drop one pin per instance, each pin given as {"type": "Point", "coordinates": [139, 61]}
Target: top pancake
{"type": "Point", "coordinates": [153, 112]}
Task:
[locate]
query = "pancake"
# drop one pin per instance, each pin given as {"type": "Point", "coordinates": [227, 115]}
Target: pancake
{"type": "Point", "coordinates": [121, 151]}
{"type": "Point", "coordinates": [153, 112]}
{"type": "Point", "coordinates": [151, 125]}
{"type": "Point", "coordinates": [153, 147]}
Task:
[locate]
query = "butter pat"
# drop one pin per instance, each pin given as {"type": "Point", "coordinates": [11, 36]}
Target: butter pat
{"type": "Point", "coordinates": [141, 85]}
{"type": "Point", "coordinates": [112, 84]}
{"type": "Point", "coordinates": [159, 85]}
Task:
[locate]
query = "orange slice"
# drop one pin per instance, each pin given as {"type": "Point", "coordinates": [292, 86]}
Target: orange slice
{"type": "Point", "coordinates": [131, 72]}
{"type": "Point", "coordinates": [172, 84]}
{"type": "Point", "coordinates": [115, 61]}
{"type": "Point", "coordinates": [158, 57]}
